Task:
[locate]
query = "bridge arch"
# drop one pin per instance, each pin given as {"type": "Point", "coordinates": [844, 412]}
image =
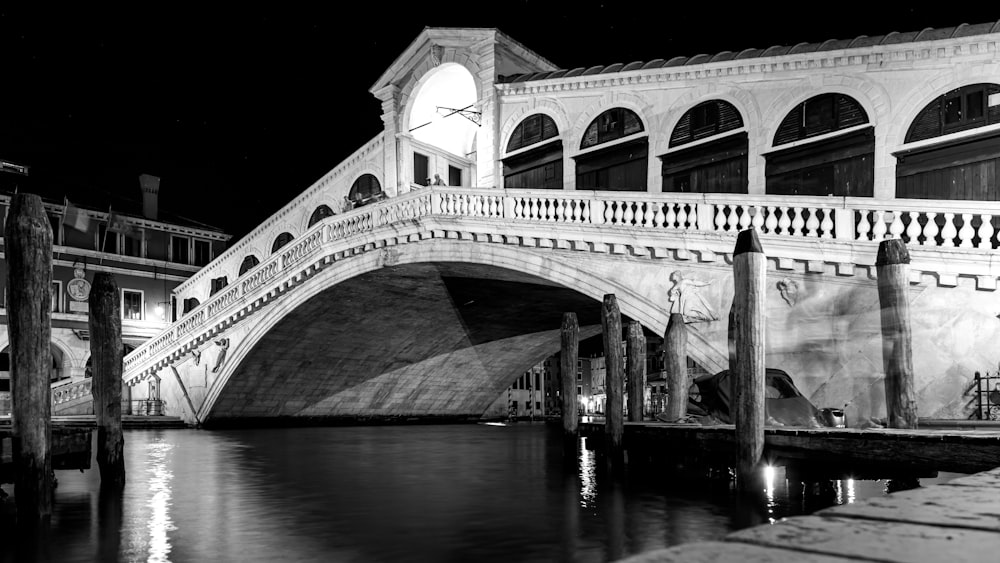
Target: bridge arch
{"type": "Point", "coordinates": [555, 270]}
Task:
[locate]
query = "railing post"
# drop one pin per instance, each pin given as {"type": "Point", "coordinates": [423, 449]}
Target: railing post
{"type": "Point", "coordinates": [508, 206]}
{"type": "Point", "coordinates": [706, 216]}
{"type": "Point", "coordinates": [596, 211]}
{"type": "Point", "coordinates": [843, 223]}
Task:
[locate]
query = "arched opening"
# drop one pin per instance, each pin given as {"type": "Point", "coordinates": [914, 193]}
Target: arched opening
{"type": "Point", "coordinates": [248, 263]}
{"type": "Point", "coordinates": [281, 240]}
{"type": "Point", "coordinates": [622, 165]}
{"type": "Point", "coordinates": [443, 122]}
{"type": "Point", "coordinates": [321, 212]}
{"type": "Point", "coordinates": [190, 304]}
{"type": "Point", "coordinates": [957, 168]}
{"type": "Point", "coordinates": [366, 189]}
{"type": "Point", "coordinates": [89, 369]}
{"type": "Point", "coordinates": [835, 164]}
{"type": "Point", "coordinates": [57, 372]}
{"type": "Point", "coordinates": [711, 166]}
{"type": "Point", "coordinates": [537, 162]}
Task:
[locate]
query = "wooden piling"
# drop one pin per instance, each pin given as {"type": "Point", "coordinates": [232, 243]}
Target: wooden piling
{"type": "Point", "coordinates": [636, 384]}
{"type": "Point", "coordinates": [749, 273]}
{"type": "Point", "coordinates": [675, 342]}
{"type": "Point", "coordinates": [892, 269]}
{"type": "Point", "coordinates": [28, 250]}
{"type": "Point", "coordinates": [106, 354]}
{"type": "Point", "coordinates": [611, 322]}
{"type": "Point", "coordinates": [568, 355]}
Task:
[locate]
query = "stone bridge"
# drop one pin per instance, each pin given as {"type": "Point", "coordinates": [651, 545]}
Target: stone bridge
{"type": "Point", "coordinates": [432, 302]}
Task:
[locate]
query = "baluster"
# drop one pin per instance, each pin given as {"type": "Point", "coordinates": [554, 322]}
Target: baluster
{"type": "Point", "coordinates": [585, 215]}
{"type": "Point", "coordinates": [609, 212]}
{"type": "Point", "coordinates": [650, 217]}
{"type": "Point", "coordinates": [986, 232]}
{"type": "Point", "coordinates": [671, 216]}
{"type": "Point", "coordinates": [967, 232]}
{"type": "Point", "coordinates": [798, 222]}
{"type": "Point", "coordinates": [913, 229]}
{"type": "Point", "coordinates": [552, 207]}
{"type": "Point", "coordinates": [658, 216]}
{"type": "Point", "coordinates": [619, 212]}
{"type": "Point", "coordinates": [771, 222]}
{"type": "Point", "coordinates": [931, 230]}
{"type": "Point", "coordinates": [812, 224]}
{"type": "Point", "coordinates": [758, 219]}
{"type": "Point", "coordinates": [896, 228]}
{"type": "Point", "coordinates": [560, 211]}
{"type": "Point", "coordinates": [578, 211]}
{"type": "Point", "coordinates": [628, 215]}
{"type": "Point", "coordinates": [735, 217]}
{"type": "Point", "coordinates": [744, 218]}
{"type": "Point", "coordinates": [693, 216]}
{"type": "Point", "coordinates": [879, 228]}
{"type": "Point", "coordinates": [949, 232]}
{"type": "Point", "coordinates": [785, 223]}
{"type": "Point", "coordinates": [682, 217]}
{"type": "Point", "coordinates": [720, 217]}
{"type": "Point", "coordinates": [533, 209]}
{"type": "Point", "coordinates": [864, 227]}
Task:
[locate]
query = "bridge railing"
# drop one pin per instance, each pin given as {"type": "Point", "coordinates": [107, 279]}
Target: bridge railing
{"type": "Point", "coordinates": [937, 223]}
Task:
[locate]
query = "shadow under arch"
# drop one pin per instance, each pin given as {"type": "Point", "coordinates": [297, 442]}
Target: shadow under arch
{"type": "Point", "coordinates": [276, 362]}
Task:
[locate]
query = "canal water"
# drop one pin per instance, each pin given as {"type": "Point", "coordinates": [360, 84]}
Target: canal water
{"type": "Point", "coordinates": [436, 493]}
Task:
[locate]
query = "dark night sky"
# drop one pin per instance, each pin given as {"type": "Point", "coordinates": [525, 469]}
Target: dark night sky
{"type": "Point", "coordinates": [240, 110]}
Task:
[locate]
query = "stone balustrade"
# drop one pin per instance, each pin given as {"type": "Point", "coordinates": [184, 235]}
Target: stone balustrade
{"type": "Point", "coordinates": [70, 391]}
{"type": "Point", "coordinates": [924, 223]}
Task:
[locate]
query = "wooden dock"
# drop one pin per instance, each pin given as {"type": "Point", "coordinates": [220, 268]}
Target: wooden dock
{"type": "Point", "coordinates": [957, 521]}
{"type": "Point", "coordinates": [953, 450]}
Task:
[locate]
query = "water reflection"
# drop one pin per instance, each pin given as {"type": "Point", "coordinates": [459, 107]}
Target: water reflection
{"type": "Point", "coordinates": [420, 493]}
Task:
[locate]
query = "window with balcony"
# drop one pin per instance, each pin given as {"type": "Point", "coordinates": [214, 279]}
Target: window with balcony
{"type": "Point", "coordinates": [539, 167]}
{"type": "Point", "coordinates": [132, 304]}
{"type": "Point", "coordinates": [712, 166]}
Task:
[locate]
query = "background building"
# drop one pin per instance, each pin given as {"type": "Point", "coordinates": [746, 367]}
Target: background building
{"type": "Point", "coordinates": [148, 252]}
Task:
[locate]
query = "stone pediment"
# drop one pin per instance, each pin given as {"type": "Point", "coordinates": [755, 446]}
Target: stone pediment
{"type": "Point", "coordinates": [435, 45]}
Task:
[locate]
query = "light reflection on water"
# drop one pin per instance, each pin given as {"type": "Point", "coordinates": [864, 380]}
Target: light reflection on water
{"type": "Point", "coordinates": [398, 493]}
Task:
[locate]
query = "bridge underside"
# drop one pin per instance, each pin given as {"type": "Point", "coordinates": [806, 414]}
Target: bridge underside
{"type": "Point", "coordinates": [420, 340]}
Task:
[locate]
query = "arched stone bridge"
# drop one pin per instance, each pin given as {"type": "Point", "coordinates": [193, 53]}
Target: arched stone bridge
{"type": "Point", "coordinates": [433, 302]}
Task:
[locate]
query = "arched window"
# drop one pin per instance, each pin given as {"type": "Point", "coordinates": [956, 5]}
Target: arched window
{"type": "Point", "coordinates": [958, 110]}
{"type": "Point", "coordinates": [533, 129]}
{"type": "Point", "coordinates": [365, 190]}
{"type": "Point", "coordinates": [190, 305]}
{"type": "Point", "coordinates": [839, 165]}
{"type": "Point", "coordinates": [321, 212]}
{"type": "Point", "coordinates": [282, 240]}
{"type": "Point", "coordinates": [958, 168]}
{"type": "Point", "coordinates": [620, 167]}
{"type": "Point", "coordinates": [713, 166]}
{"type": "Point", "coordinates": [541, 166]}
{"type": "Point", "coordinates": [248, 263]}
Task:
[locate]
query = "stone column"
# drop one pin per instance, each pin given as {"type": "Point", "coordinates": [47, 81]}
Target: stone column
{"type": "Point", "coordinates": [390, 117]}
{"type": "Point", "coordinates": [487, 154]}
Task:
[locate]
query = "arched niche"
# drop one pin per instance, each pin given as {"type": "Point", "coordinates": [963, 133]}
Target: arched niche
{"type": "Point", "coordinates": [717, 161]}
{"type": "Point", "coordinates": [622, 165]}
{"type": "Point", "coordinates": [838, 164]}
{"type": "Point", "coordinates": [538, 152]}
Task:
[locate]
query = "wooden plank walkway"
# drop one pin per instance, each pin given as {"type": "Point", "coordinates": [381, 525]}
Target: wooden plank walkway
{"type": "Point", "coordinates": [955, 450]}
{"type": "Point", "coordinates": [955, 522]}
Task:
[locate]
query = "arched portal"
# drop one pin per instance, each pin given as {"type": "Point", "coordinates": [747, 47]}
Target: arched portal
{"type": "Point", "coordinates": [619, 149]}
{"type": "Point", "coordinates": [57, 372]}
{"type": "Point", "coordinates": [280, 241]}
{"type": "Point", "coordinates": [718, 162]}
{"type": "Point", "coordinates": [321, 212]}
{"type": "Point", "coordinates": [831, 151]}
{"type": "Point", "coordinates": [443, 120]}
{"type": "Point", "coordinates": [535, 155]}
{"type": "Point", "coordinates": [366, 189]}
{"type": "Point", "coordinates": [248, 263]}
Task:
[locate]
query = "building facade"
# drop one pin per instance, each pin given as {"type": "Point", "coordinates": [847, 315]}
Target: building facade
{"type": "Point", "coordinates": [148, 256]}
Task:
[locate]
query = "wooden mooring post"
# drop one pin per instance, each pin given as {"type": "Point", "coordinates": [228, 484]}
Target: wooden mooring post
{"type": "Point", "coordinates": [892, 269]}
{"type": "Point", "coordinates": [569, 353]}
{"type": "Point", "coordinates": [611, 322]}
{"type": "Point", "coordinates": [636, 384]}
{"type": "Point", "coordinates": [675, 342]}
{"type": "Point", "coordinates": [106, 353]}
{"type": "Point", "coordinates": [28, 250]}
{"type": "Point", "coordinates": [749, 274]}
